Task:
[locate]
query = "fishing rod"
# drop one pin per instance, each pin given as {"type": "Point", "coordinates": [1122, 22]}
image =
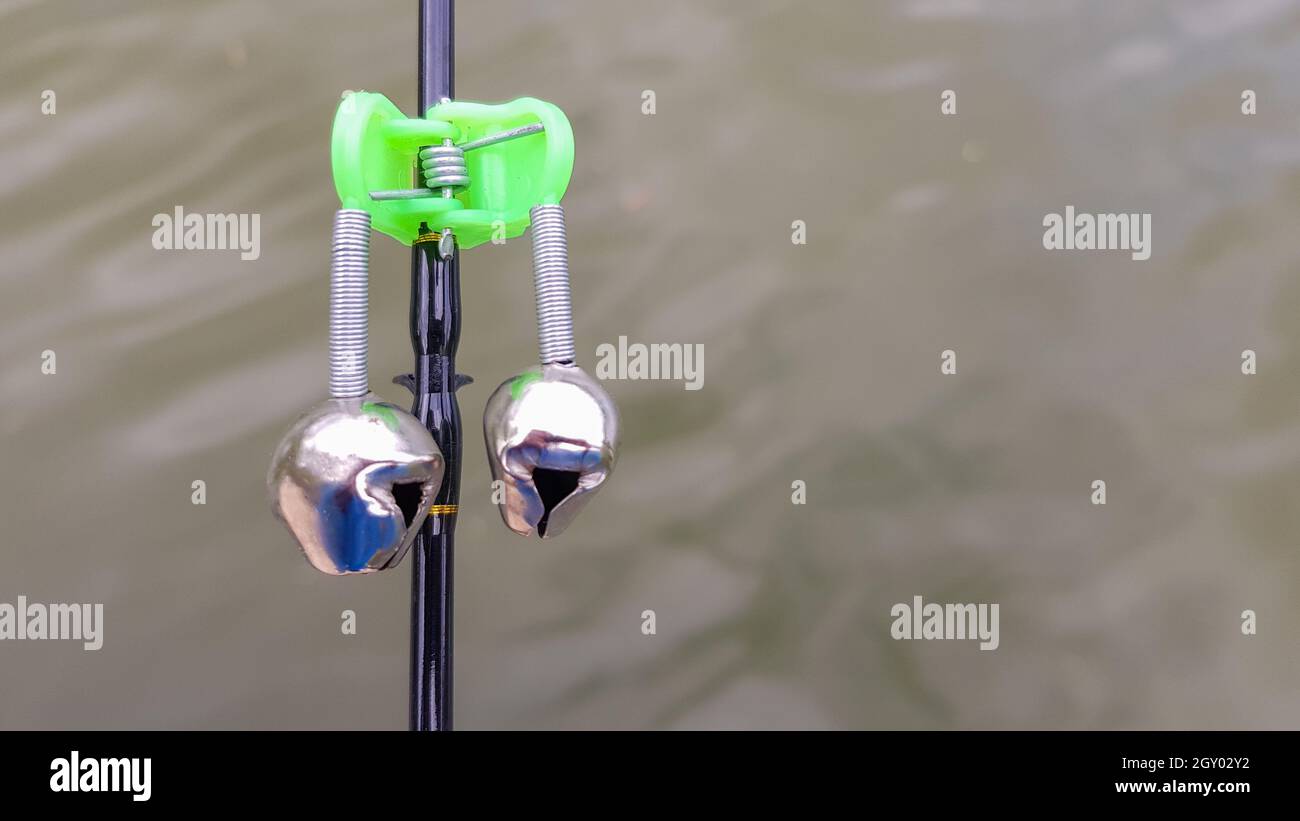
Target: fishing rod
{"type": "Point", "coordinates": [435, 335]}
{"type": "Point", "coordinates": [359, 481]}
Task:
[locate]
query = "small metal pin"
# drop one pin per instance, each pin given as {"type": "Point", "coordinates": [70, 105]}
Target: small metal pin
{"type": "Point", "coordinates": [402, 194]}
{"type": "Point", "coordinates": [502, 136]}
{"type": "Point", "coordinates": [446, 244]}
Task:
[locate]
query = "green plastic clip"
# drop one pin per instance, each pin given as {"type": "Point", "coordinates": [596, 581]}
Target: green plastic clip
{"type": "Point", "coordinates": [375, 148]}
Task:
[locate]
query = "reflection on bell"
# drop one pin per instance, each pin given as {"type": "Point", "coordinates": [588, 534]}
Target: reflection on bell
{"type": "Point", "coordinates": [551, 433]}
{"type": "Point", "coordinates": [353, 480]}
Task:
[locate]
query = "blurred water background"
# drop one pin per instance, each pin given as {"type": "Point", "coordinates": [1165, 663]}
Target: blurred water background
{"type": "Point", "coordinates": [821, 364]}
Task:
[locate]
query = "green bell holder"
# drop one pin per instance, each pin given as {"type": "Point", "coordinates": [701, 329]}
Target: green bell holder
{"type": "Point", "coordinates": [375, 148]}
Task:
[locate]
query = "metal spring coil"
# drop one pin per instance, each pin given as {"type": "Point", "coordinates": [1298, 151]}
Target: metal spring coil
{"type": "Point", "coordinates": [349, 304]}
{"type": "Point", "coordinates": [444, 167]}
{"type": "Point", "coordinates": [551, 281]}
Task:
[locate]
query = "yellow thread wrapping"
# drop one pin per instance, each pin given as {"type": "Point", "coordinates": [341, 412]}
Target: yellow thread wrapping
{"type": "Point", "coordinates": [443, 510]}
{"type": "Point", "coordinates": [432, 236]}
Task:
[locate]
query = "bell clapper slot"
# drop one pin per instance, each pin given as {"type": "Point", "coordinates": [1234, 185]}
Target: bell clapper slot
{"type": "Point", "coordinates": [554, 486]}
{"type": "Point", "coordinates": [409, 497]}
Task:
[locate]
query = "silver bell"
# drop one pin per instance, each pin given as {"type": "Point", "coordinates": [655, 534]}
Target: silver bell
{"type": "Point", "coordinates": [551, 432]}
{"type": "Point", "coordinates": [552, 435]}
{"type": "Point", "coordinates": [353, 480]}
{"type": "Point", "coordinates": [354, 477]}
